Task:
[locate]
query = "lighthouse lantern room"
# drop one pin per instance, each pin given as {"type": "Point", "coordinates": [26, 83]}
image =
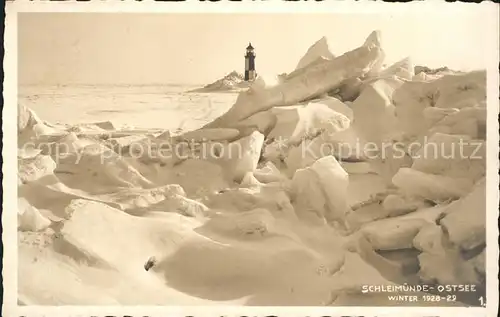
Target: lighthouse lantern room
{"type": "Point", "coordinates": [250, 63]}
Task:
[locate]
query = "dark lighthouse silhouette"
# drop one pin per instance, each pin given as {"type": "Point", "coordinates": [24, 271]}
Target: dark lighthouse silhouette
{"type": "Point", "coordinates": [250, 63]}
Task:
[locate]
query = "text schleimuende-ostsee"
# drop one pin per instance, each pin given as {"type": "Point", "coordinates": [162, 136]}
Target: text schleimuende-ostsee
{"type": "Point", "coordinates": [459, 288]}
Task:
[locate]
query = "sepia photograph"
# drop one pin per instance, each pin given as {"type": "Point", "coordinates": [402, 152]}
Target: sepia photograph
{"type": "Point", "coordinates": [247, 159]}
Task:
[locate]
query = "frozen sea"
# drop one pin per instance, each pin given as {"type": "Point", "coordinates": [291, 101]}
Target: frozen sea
{"type": "Point", "coordinates": [144, 107]}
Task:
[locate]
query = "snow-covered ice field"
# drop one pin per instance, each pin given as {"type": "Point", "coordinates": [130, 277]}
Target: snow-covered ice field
{"type": "Point", "coordinates": [148, 107]}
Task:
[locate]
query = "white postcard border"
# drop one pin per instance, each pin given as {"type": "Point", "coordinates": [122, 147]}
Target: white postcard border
{"type": "Point", "coordinates": [9, 216]}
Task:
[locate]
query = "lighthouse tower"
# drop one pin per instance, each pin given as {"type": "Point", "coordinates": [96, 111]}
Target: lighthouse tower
{"type": "Point", "coordinates": [250, 63]}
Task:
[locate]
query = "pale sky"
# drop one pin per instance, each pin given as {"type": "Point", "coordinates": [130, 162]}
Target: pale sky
{"type": "Point", "coordinates": [117, 48]}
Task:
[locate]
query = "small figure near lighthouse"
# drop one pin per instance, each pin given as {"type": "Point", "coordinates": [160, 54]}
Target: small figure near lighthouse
{"type": "Point", "coordinates": [250, 64]}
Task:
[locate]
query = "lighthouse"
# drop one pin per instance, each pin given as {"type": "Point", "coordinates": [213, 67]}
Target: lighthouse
{"type": "Point", "coordinates": [250, 63]}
